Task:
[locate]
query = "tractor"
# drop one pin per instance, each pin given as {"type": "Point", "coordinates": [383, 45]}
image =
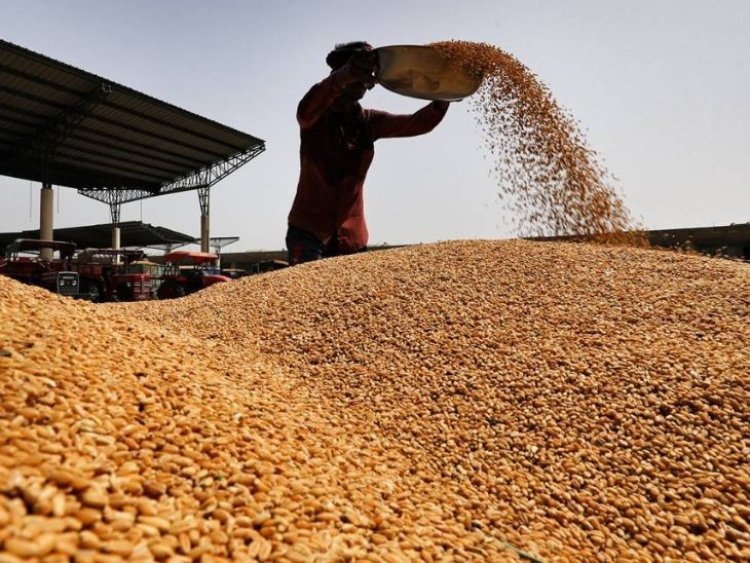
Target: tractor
{"type": "Point", "coordinates": [109, 274]}
{"type": "Point", "coordinates": [187, 271]}
{"type": "Point", "coordinates": [25, 261]}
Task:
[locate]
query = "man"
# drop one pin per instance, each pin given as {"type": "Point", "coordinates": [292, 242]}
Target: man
{"type": "Point", "coordinates": [336, 149]}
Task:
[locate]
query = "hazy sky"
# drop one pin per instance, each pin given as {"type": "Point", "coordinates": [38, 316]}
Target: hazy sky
{"type": "Point", "coordinates": [661, 88]}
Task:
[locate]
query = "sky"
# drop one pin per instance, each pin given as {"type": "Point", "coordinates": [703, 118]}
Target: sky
{"type": "Point", "coordinates": [660, 88]}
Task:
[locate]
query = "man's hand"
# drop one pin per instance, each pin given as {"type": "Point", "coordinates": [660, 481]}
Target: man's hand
{"type": "Point", "coordinates": [364, 64]}
{"type": "Point", "coordinates": [360, 68]}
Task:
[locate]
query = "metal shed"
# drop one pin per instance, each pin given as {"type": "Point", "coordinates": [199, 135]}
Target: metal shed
{"type": "Point", "coordinates": [134, 234]}
{"type": "Point", "coordinates": [65, 126]}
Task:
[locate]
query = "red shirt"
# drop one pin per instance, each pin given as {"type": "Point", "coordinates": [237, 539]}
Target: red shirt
{"type": "Point", "coordinates": [336, 150]}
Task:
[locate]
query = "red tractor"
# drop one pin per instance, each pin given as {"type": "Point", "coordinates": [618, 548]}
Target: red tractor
{"type": "Point", "coordinates": [138, 280]}
{"type": "Point", "coordinates": [186, 272]}
{"type": "Point", "coordinates": [25, 261]}
{"type": "Point", "coordinates": [116, 275]}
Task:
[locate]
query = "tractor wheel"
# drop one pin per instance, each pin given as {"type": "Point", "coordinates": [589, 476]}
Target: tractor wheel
{"type": "Point", "coordinates": [170, 289]}
{"type": "Point", "coordinates": [90, 292]}
{"type": "Point", "coordinates": [125, 293]}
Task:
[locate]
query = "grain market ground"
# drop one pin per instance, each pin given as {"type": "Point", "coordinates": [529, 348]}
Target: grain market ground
{"type": "Point", "coordinates": [454, 401]}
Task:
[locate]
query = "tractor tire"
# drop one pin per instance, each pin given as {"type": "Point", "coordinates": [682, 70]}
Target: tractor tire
{"type": "Point", "coordinates": [125, 294]}
{"type": "Point", "coordinates": [170, 289]}
{"type": "Point", "coordinates": [90, 292]}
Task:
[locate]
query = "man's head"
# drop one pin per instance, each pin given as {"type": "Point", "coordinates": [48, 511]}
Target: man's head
{"type": "Point", "coordinates": [343, 52]}
{"type": "Point", "coordinates": [355, 61]}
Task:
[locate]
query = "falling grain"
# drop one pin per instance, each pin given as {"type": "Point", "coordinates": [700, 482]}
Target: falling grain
{"type": "Point", "coordinates": [553, 183]}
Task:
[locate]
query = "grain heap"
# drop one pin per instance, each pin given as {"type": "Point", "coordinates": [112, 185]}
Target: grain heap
{"type": "Point", "coordinates": [443, 402]}
{"type": "Point", "coordinates": [552, 182]}
{"type": "Point", "coordinates": [119, 441]}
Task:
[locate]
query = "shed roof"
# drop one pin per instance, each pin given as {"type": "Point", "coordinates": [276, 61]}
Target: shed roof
{"type": "Point", "coordinates": [69, 127]}
{"type": "Point", "coordinates": [132, 234]}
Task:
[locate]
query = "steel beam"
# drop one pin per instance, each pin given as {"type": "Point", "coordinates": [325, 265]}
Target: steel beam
{"type": "Point", "coordinates": [203, 178]}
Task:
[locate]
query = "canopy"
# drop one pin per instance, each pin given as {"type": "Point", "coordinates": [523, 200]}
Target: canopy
{"type": "Point", "coordinates": [68, 127]}
{"type": "Point", "coordinates": [132, 234]}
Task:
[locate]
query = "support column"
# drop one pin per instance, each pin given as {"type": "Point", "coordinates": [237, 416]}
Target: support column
{"type": "Point", "coordinates": [204, 201]}
{"type": "Point", "coordinates": [217, 251]}
{"type": "Point", "coordinates": [205, 229]}
{"type": "Point", "coordinates": [46, 218]}
{"type": "Point", "coordinates": [116, 238]}
{"type": "Point", "coordinates": [114, 210]}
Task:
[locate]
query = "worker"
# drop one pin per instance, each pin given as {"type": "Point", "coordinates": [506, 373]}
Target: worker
{"type": "Point", "coordinates": [336, 149]}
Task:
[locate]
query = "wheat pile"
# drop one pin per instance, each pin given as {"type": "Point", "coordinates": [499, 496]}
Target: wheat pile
{"type": "Point", "coordinates": [468, 401]}
{"type": "Point", "coordinates": [553, 182]}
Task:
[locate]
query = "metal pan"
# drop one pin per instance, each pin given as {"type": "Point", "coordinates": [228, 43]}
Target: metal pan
{"type": "Point", "coordinates": [420, 71]}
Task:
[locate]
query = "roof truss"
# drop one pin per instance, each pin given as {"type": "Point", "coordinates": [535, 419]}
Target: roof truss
{"type": "Point", "coordinates": [202, 178]}
{"type": "Point", "coordinates": [64, 126]}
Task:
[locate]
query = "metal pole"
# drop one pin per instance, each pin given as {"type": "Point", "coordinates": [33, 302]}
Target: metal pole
{"type": "Point", "coordinates": [116, 238]}
{"type": "Point", "coordinates": [205, 247]}
{"type": "Point", "coordinates": [46, 218]}
{"type": "Point", "coordinates": [203, 200]}
{"type": "Point", "coordinates": [115, 207]}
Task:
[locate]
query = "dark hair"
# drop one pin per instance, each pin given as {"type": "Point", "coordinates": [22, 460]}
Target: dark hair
{"type": "Point", "coordinates": [344, 51]}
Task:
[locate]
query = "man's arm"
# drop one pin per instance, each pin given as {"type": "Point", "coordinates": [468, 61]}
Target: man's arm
{"type": "Point", "coordinates": [317, 100]}
{"type": "Point", "coordinates": [324, 93]}
{"type": "Point", "coordinates": [423, 121]}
